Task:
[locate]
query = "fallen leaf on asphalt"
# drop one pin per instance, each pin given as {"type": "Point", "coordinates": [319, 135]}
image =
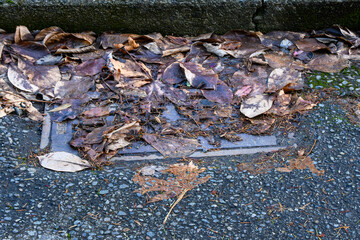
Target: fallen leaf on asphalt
{"type": "Point", "coordinates": [63, 162]}
{"type": "Point", "coordinates": [170, 146]}
{"type": "Point", "coordinates": [181, 179]}
{"type": "Point", "coordinates": [301, 163]}
{"type": "Point", "coordinates": [151, 170]}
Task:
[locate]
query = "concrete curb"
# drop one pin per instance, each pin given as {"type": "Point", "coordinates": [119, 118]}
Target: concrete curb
{"type": "Point", "coordinates": [179, 17]}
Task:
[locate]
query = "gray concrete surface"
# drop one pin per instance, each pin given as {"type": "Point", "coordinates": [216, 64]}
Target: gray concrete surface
{"type": "Point", "coordinates": [179, 17]}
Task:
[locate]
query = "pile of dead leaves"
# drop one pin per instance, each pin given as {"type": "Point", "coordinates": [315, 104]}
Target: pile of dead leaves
{"type": "Point", "coordinates": [121, 86]}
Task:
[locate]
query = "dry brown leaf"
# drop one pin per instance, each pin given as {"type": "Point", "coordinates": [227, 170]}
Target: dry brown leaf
{"type": "Point", "coordinates": [90, 67]}
{"type": "Point", "coordinates": [22, 33]}
{"type": "Point", "coordinates": [130, 46]}
{"type": "Point", "coordinates": [328, 63]}
{"type": "Point", "coordinates": [128, 69]}
{"type": "Point", "coordinates": [116, 138]}
{"type": "Point", "coordinates": [310, 45]}
{"type": "Point", "coordinates": [13, 100]}
{"type": "Point", "coordinates": [43, 33]}
{"type": "Point", "coordinates": [96, 112]}
{"type": "Point", "coordinates": [301, 163]}
{"type": "Point", "coordinates": [222, 94]}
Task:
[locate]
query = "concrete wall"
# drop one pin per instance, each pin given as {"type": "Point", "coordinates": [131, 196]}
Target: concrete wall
{"type": "Point", "coordinates": [178, 17]}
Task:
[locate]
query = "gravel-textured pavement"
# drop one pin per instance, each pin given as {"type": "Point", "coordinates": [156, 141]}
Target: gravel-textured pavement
{"type": "Point", "coordinates": [36, 203]}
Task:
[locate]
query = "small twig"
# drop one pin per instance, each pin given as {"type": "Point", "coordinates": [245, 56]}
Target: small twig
{"type": "Point", "coordinates": [177, 201]}
{"type": "Point", "coordinates": [116, 92]}
{"type": "Point", "coordinates": [311, 148]}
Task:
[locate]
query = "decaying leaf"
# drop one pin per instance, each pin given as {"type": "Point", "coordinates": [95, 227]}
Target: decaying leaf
{"type": "Point", "coordinates": [256, 105]}
{"type": "Point", "coordinates": [328, 63]}
{"type": "Point", "coordinates": [182, 178]}
{"type": "Point", "coordinates": [222, 94]}
{"type": "Point", "coordinates": [200, 77]}
{"type": "Point", "coordinates": [63, 162]}
{"type": "Point", "coordinates": [96, 112]}
{"type": "Point", "coordinates": [301, 163]}
{"type": "Point", "coordinates": [116, 138]}
{"type": "Point", "coordinates": [20, 80]}
{"type": "Point", "coordinates": [284, 77]}
{"type": "Point", "coordinates": [22, 34]}
{"type": "Point", "coordinates": [170, 146]}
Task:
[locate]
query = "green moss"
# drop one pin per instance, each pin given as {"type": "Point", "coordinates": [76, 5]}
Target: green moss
{"type": "Point", "coordinates": [347, 82]}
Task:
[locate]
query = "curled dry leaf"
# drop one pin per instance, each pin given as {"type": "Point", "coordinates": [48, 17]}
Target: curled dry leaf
{"type": "Point", "coordinates": [170, 146]}
{"type": "Point", "coordinates": [46, 31]}
{"type": "Point", "coordinates": [130, 46]}
{"type": "Point", "coordinates": [63, 162]}
{"type": "Point", "coordinates": [256, 105]}
{"type": "Point", "coordinates": [22, 33]}
{"type": "Point", "coordinates": [12, 100]}
{"type": "Point", "coordinates": [56, 40]}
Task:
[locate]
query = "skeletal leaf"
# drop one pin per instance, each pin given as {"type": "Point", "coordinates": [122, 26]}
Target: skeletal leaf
{"type": "Point", "coordinates": [181, 177]}
{"type": "Point", "coordinates": [63, 162]}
